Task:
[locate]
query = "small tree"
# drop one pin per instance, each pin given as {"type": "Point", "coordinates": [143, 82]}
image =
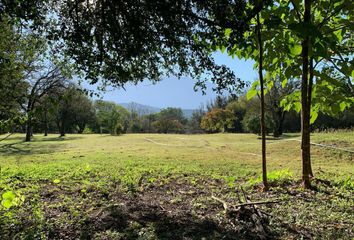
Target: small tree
{"type": "Point", "coordinates": [217, 120]}
{"type": "Point", "coordinates": [109, 115]}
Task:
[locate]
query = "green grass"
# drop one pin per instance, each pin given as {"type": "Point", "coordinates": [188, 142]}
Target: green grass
{"type": "Point", "coordinates": [63, 181]}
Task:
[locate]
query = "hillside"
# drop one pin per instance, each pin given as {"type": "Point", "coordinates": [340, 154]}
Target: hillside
{"type": "Point", "coordinates": [143, 109]}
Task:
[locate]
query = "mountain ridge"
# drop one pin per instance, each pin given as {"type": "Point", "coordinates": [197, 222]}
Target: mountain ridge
{"type": "Point", "coordinates": [143, 109]}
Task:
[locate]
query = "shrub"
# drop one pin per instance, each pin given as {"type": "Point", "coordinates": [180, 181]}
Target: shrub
{"type": "Point", "coordinates": [119, 129]}
{"type": "Point", "coordinates": [251, 123]}
{"type": "Point", "coordinates": [87, 130]}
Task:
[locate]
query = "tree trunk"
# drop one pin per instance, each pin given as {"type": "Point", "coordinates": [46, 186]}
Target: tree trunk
{"type": "Point", "coordinates": [276, 132]}
{"type": "Point", "coordinates": [28, 129]}
{"type": "Point", "coordinates": [263, 127]}
{"type": "Point", "coordinates": [279, 120]}
{"type": "Point", "coordinates": [62, 127]}
{"type": "Point", "coordinates": [45, 123]}
{"type": "Point", "coordinates": [281, 131]}
{"type": "Point", "coordinates": [305, 113]}
{"type": "Point", "coordinates": [309, 101]}
{"type": "Point", "coordinates": [81, 128]}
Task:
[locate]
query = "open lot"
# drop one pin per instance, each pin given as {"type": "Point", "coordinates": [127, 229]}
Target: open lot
{"type": "Point", "coordinates": [159, 186]}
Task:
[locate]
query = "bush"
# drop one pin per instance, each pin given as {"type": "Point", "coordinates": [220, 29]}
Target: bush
{"type": "Point", "coordinates": [87, 130]}
{"type": "Point", "coordinates": [217, 120]}
{"type": "Point", "coordinates": [251, 123]}
{"type": "Point", "coordinates": [119, 129]}
{"type": "Point", "coordinates": [135, 128]}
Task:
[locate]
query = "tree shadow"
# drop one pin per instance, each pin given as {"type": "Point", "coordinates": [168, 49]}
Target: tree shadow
{"type": "Point", "coordinates": [57, 139]}
{"type": "Point", "coordinates": [282, 137]}
{"type": "Point", "coordinates": [286, 135]}
{"type": "Point", "coordinates": [151, 220]}
{"type": "Point", "coordinates": [24, 148]}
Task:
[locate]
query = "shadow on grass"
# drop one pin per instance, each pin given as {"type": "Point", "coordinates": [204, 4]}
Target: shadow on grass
{"type": "Point", "coordinates": [56, 139]}
{"type": "Point", "coordinates": [282, 137]}
{"type": "Point", "coordinates": [20, 147]}
{"type": "Point", "coordinates": [151, 220]}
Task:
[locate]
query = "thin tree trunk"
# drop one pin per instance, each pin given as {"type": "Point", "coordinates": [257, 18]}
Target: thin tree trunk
{"type": "Point", "coordinates": [28, 129]}
{"type": "Point", "coordinates": [62, 127]}
{"type": "Point", "coordinates": [45, 123]}
{"type": "Point", "coordinates": [305, 114]}
{"type": "Point", "coordinates": [282, 123]}
{"type": "Point", "coordinates": [81, 128]}
{"type": "Point", "coordinates": [29, 121]}
{"type": "Point", "coordinates": [277, 122]}
{"type": "Point", "coordinates": [309, 101]}
{"type": "Point", "coordinates": [263, 127]}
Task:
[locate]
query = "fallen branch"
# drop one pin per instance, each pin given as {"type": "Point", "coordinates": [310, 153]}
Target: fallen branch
{"type": "Point", "coordinates": [256, 203]}
{"type": "Point", "coordinates": [256, 217]}
{"type": "Point", "coordinates": [224, 204]}
{"type": "Point", "coordinates": [248, 203]}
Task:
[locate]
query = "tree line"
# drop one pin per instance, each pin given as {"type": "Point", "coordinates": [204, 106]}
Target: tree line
{"type": "Point", "coordinates": [67, 108]}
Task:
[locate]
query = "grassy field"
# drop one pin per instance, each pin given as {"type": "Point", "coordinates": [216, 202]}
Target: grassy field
{"type": "Point", "coordinates": [151, 186]}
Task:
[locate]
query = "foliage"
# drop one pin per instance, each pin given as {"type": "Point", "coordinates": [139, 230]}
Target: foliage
{"type": "Point", "coordinates": [217, 120]}
{"type": "Point", "coordinates": [238, 108]}
{"type": "Point", "coordinates": [12, 66]}
{"type": "Point", "coordinates": [119, 129]}
{"type": "Point", "coordinates": [170, 120]}
{"type": "Point", "coordinates": [145, 40]}
{"type": "Point", "coordinates": [251, 123]}
{"type": "Point", "coordinates": [111, 117]}
{"type": "Point", "coordinates": [195, 120]}
{"type": "Point", "coordinates": [331, 49]}
{"type": "Point", "coordinates": [10, 199]}
{"type": "Point", "coordinates": [277, 176]}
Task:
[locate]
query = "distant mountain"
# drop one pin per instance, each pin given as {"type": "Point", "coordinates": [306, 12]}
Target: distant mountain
{"type": "Point", "coordinates": [188, 113]}
{"type": "Point", "coordinates": [142, 109]}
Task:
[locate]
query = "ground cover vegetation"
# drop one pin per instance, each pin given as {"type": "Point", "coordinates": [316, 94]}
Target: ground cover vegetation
{"type": "Point", "coordinates": [160, 186]}
{"type": "Point", "coordinates": [306, 84]}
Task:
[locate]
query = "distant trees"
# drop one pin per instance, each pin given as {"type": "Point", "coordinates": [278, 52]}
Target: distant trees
{"type": "Point", "coordinates": [195, 120]}
{"type": "Point", "coordinates": [26, 73]}
{"type": "Point", "coordinates": [273, 102]}
{"type": "Point", "coordinates": [217, 120]}
{"type": "Point", "coordinates": [41, 82]}
{"type": "Point", "coordinates": [111, 118]}
{"type": "Point", "coordinates": [82, 110]}
{"type": "Point", "coordinates": [170, 120]}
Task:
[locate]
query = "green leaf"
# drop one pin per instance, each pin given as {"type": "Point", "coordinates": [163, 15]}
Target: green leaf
{"type": "Point", "coordinates": [8, 195]}
{"type": "Point", "coordinates": [295, 49]}
{"type": "Point", "coordinates": [284, 82]}
{"type": "Point", "coordinates": [297, 106]}
{"type": "Point", "coordinates": [314, 115]}
{"type": "Point", "coordinates": [222, 49]}
{"type": "Point", "coordinates": [56, 181]}
{"type": "Point", "coordinates": [228, 31]}
{"type": "Point", "coordinates": [252, 91]}
{"type": "Point", "coordinates": [338, 34]}
{"type": "Point", "coordinates": [6, 203]}
{"type": "Point", "coordinates": [343, 106]}
{"type": "Point", "coordinates": [8, 199]}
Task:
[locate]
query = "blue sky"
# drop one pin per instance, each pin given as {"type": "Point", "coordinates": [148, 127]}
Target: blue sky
{"type": "Point", "coordinates": [173, 92]}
